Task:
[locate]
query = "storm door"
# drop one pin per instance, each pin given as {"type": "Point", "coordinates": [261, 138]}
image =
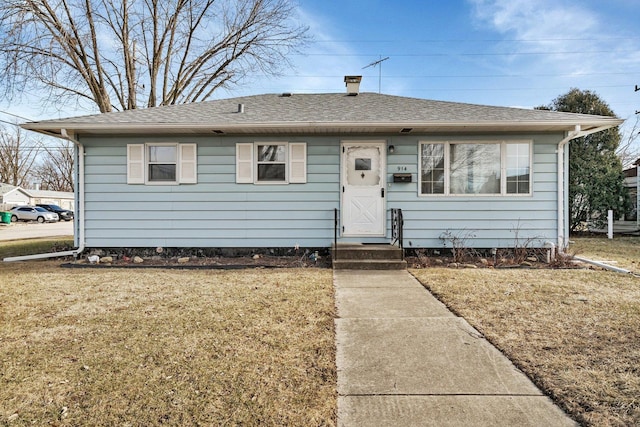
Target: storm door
{"type": "Point", "coordinates": [363, 188]}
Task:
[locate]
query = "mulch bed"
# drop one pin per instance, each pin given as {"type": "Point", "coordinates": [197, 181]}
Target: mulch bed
{"type": "Point", "coordinates": [217, 263]}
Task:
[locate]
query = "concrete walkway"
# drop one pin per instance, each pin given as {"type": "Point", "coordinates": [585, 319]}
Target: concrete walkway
{"type": "Point", "coordinates": [405, 360]}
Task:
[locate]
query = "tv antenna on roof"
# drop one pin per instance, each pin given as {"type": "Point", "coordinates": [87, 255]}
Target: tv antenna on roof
{"type": "Point", "coordinates": [378, 63]}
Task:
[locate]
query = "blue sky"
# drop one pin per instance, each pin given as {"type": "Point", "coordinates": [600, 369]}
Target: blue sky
{"type": "Point", "coordinates": [497, 52]}
{"type": "Point", "coordinates": [521, 53]}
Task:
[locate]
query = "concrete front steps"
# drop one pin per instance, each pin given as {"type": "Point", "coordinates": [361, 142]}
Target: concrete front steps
{"type": "Point", "coordinates": [358, 256]}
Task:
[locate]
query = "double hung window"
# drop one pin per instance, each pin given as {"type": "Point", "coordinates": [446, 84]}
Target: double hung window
{"type": "Point", "coordinates": [162, 163]}
{"type": "Point", "coordinates": [271, 162]}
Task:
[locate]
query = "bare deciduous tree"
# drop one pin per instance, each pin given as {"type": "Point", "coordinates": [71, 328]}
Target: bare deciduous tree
{"type": "Point", "coordinates": [629, 149]}
{"type": "Point", "coordinates": [124, 54]}
{"type": "Point", "coordinates": [17, 156]}
{"type": "Point", "coordinates": [55, 169]}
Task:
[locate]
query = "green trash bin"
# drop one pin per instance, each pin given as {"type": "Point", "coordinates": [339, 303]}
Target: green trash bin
{"type": "Point", "coordinates": [5, 217]}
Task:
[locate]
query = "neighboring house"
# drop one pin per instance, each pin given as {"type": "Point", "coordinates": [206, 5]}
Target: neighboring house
{"type": "Point", "coordinates": [271, 170]}
{"type": "Point", "coordinates": [61, 198]}
{"type": "Point", "coordinates": [632, 185]}
{"type": "Point", "coordinates": [11, 195]}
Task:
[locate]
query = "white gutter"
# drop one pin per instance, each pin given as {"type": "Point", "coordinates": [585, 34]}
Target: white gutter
{"type": "Point", "coordinates": [78, 219]}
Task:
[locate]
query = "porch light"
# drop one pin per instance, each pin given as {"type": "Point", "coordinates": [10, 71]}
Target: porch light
{"type": "Point", "coordinates": [391, 149]}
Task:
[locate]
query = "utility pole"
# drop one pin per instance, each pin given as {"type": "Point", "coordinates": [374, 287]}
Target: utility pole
{"type": "Point", "coordinates": [379, 63]}
{"type": "Point", "coordinates": [637, 163]}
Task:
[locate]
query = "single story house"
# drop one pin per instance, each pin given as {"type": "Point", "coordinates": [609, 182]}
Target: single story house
{"type": "Point", "coordinates": [64, 199]}
{"type": "Point", "coordinates": [277, 170]}
{"type": "Point", "coordinates": [11, 195]}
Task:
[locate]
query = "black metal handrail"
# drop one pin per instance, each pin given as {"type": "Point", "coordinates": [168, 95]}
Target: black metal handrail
{"type": "Point", "coordinates": [335, 233]}
{"type": "Point", "coordinates": [397, 228]}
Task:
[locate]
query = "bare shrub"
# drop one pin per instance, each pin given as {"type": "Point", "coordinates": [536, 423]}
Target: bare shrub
{"type": "Point", "coordinates": [457, 241]}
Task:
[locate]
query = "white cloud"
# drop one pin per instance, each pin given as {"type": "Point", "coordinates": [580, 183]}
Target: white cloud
{"type": "Point", "coordinates": [545, 34]}
{"type": "Point", "coordinates": [558, 37]}
{"type": "Point", "coordinates": [600, 44]}
{"type": "Point", "coordinates": [538, 20]}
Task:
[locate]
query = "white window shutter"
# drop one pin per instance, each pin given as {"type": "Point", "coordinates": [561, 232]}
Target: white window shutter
{"type": "Point", "coordinates": [297, 162]}
{"type": "Point", "coordinates": [135, 163]}
{"type": "Point", "coordinates": [244, 163]}
{"type": "Point", "coordinates": [188, 163]}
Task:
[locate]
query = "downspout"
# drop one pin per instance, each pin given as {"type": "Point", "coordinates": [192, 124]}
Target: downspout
{"type": "Point", "coordinates": [78, 220]}
{"type": "Point", "coordinates": [561, 186]}
{"type": "Point", "coordinates": [605, 266]}
{"type": "Point", "coordinates": [563, 168]}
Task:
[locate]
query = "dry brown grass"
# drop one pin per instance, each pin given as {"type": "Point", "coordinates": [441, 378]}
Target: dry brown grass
{"type": "Point", "coordinates": [150, 347]}
{"type": "Point", "coordinates": [576, 333]}
{"type": "Point", "coordinates": [10, 248]}
{"type": "Point", "coordinates": [624, 250]}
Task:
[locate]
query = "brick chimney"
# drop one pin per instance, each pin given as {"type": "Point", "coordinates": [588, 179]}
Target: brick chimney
{"type": "Point", "coordinates": [353, 84]}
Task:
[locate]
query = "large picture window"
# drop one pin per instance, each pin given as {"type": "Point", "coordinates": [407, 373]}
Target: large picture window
{"type": "Point", "coordinates": [475, 168]}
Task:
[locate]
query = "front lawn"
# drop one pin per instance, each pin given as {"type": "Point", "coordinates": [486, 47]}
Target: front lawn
{"type": "Point", "coordinates": [151, 347]}
{"type": "Point", "coordinates": [11, 248]}
{"type": "Point", "coordinates": [576, 333]}
{"type": "Point", "coordinates": [624, 251]}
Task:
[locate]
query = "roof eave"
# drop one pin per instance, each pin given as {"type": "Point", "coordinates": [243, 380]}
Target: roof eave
{"type": "Point", "coordinates": [56, 129]}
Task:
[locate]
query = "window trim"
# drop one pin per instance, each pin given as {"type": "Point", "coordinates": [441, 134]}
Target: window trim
{"type": "Point", "coordinates": [503, 168]}
{"type": "Point", "coordinates": [296, 162]}
{"type": "Point", "coordinates": [138, 163]}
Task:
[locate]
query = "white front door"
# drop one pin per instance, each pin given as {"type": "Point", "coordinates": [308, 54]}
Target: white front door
{"type": "Point", "coordinates": [363, 188]}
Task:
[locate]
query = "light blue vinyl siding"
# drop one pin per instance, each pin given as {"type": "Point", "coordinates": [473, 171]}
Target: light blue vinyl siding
{"type": "Point", "coordinates": [217, 212]}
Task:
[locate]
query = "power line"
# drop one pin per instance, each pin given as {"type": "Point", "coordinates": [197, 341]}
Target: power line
{"type": "Point", "coordinates": [15, 115]}
{"type": "Point", "coordinates": [464, 76]}
{"type": "Point", "coordinates": [418, 55]}
{"type": "Point", "coordinates": [606, 39]}
{"type": "Point", "coordinates": [9, 123]}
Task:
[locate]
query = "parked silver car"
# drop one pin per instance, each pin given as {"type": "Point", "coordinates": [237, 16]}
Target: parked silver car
{"type": "Point", "coordinates": [31, 213]}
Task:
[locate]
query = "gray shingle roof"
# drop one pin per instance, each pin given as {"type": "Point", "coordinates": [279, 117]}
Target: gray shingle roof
{"type": "Point", "coordinates": [44, 194]}
{"type": "Point", "coordinates": [366, 112]}
{"type": "Point", "coordinates": [5, 188]}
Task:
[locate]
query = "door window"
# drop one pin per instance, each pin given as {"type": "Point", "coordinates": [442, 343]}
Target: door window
{"type": "Point", "coordinates": [363, 166]}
